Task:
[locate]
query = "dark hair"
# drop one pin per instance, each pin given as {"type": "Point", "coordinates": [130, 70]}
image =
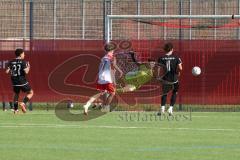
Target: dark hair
{"type": "Point", "coordinates": [168, 47]}
{"type": "Point", "coordinates": [18, 52]}
{"type": "Point", "coordinates": [110, 46]}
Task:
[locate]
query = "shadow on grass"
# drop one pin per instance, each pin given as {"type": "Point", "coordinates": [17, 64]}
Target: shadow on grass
{"type": "Point", "coordinates": [63, 112]}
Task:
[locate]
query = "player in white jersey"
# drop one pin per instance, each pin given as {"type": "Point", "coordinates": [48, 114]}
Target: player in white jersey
{"type": "Point", "coordinates": [106, 78]}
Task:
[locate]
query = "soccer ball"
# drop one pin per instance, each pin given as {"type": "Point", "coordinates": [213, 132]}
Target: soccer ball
{"type": "Point", "coordinates": [196, 71]}
{"type": "Point", "coordinates": [70, 104]}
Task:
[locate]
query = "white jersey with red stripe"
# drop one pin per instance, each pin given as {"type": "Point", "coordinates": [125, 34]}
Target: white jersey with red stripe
{"type": "Point", "coordinates": [105, 70]}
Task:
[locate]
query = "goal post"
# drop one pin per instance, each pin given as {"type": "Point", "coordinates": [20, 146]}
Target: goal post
{"type": "Point", "coordinates": [142, 19]}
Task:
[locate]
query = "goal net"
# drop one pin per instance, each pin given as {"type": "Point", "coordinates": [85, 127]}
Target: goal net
{"type": "Point", "coordinates": [200, 40]}
{"type": "Point", "coordinates": [155, 27]}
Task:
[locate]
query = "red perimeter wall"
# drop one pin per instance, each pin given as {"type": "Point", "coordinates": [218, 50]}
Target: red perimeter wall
{"type": "Point", "coordinates": [67, 69]}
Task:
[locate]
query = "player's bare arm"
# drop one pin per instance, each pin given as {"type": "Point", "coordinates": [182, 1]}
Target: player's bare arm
{"type": "Point", "coordinates": [179, 69]}
{"type": "Point", "coordinates": [7, 70]}
{"type": "Point", "coordinates": [27, 69]}
{"type": "Point", "coordinates": [117, 68]}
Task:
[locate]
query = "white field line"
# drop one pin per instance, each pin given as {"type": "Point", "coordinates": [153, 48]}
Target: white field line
{"type": "Point", "coordinates": [201, 116]}
{"type": "Point", "coordinates": [33, 125]}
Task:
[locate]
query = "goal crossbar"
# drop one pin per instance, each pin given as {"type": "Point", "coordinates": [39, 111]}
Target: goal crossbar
{"type": "Point", "coordinates": [171, 16]}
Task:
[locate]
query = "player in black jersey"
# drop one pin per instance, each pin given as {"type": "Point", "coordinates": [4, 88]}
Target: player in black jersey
{"type": "Point", "coordinates": [173, 66]}
{"type": "Point", "coordinates": [18, 68]}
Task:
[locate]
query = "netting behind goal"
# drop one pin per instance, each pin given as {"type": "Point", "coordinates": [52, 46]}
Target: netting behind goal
{"type": "Point", "coordinates": [183, 27]}
{"type": "Point", "coordinates": [209, 42]}
{"type": "Point", "coordinates": [224, 27]}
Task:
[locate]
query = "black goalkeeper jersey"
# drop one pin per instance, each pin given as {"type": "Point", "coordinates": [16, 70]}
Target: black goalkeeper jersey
{"type": "Point", "coordinates": [171, 63]}
{"type": "Point", "coordinates": [17, 67]}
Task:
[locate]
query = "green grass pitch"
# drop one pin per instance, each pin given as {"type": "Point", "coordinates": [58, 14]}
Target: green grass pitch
{"type": "Point", "coordinates": [40, 135]}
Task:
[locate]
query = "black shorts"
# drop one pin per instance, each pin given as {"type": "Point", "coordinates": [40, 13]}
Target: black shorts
{"type": "Point", "coordinates": [25, 88]}
{"type": "Point", "coordinates": [168, 87]}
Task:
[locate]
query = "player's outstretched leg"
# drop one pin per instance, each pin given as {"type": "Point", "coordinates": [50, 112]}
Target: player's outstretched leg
{"type": "Point", "coordinates": [90, 101]}
{"type": "Point", "coordinates": [127, 88]}
{"type": "Point", "coordinates": [25, 100]}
